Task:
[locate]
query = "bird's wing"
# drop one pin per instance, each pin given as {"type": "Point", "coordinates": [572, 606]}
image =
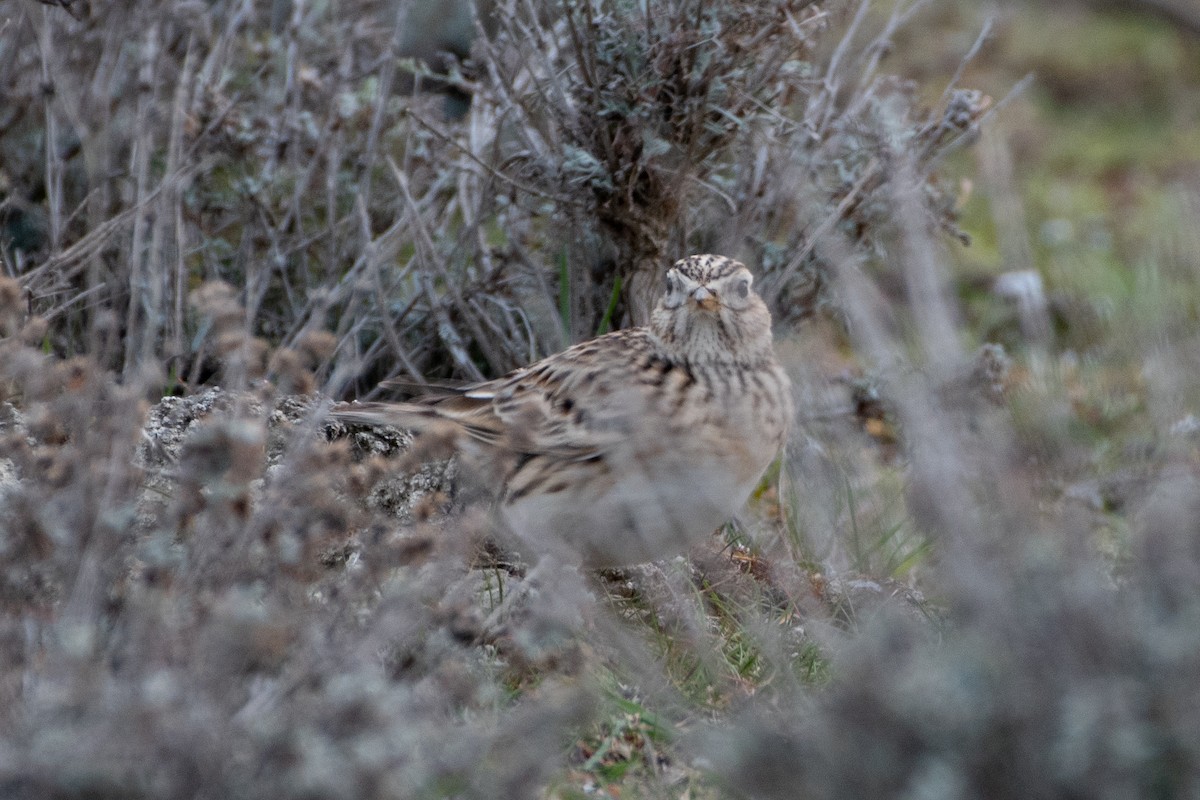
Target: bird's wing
{"type": "Point", "coordinates": [573, 405]}
{"type": "Point", "coordinates": [422, 392]}
{"type": "Point", "coordinates": [579, 403]}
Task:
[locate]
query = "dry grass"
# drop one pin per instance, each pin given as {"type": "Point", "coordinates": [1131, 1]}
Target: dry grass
{"type": "Point", "coordinates": [216, 594]}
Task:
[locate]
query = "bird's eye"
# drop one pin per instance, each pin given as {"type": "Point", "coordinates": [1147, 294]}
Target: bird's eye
{"type": "Point", "coordinates": [743, 288]}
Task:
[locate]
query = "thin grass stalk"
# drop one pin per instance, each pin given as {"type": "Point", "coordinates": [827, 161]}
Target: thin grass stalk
{"type": "Point", "coordinates": [140, 322]}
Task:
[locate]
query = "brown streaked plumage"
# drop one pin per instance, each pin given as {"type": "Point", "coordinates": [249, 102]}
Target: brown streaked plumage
{"type": "Point", "coordinates": [634, 445]}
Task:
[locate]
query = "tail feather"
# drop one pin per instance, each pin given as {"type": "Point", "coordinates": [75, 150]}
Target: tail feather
{"type": "Point", "coordinates": [400, 415]}
{"type": "Point", "coordinates": [443, 418]}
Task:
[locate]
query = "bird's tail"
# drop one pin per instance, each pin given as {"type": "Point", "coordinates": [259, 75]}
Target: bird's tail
{"type": "Point", "coordinates": [400, 415]}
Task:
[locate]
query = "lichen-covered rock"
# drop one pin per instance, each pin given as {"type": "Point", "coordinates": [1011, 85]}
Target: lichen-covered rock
{"type": "Point", "coordinates": [218, 441]}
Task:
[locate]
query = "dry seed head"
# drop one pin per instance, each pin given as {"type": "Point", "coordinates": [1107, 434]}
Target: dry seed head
{"type": "Point", "coordinates": [11, 307]}
{"type": "Point", "coordinates": [292, 377]}
{"type": "Point", "coordinates": [77, 374]}
{"type": "Point", "coordinates": [27, 372]}
{"type": "Point", "coordinates": [241, 352]}
{"type": "Point", "coordinates": [55, 466]}
{"type": "Point", "coordinates": [318, 346]}
{"type": "Point", "coordinates": [228, 449]}
{"type": "Point", "coordinates": [46, 425]}
{"type": "Point", "coordinates": [362, 477]}
{"type": "Point", "coordinates": [217, 300]}
{"type": "Point", "coordinates": [34, 331]}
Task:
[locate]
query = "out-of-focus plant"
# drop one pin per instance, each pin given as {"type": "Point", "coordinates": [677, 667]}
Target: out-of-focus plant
{"type": "Point", "coordinates": [607, 136]}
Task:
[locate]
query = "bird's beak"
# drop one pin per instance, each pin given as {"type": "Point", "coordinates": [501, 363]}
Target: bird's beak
{"type": "Point", "coordinates": [703, 298]}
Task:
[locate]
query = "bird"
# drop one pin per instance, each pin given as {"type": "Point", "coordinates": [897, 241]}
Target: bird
{"type": "Point", "coordinates": [635, 445]}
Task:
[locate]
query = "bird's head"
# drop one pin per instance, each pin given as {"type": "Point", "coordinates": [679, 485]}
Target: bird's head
{"type": "Point", "coordinates": [710, 311]}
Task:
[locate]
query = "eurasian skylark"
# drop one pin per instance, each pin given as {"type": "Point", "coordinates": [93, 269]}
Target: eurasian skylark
{"type": "Point", "coordinates": [634, 445]}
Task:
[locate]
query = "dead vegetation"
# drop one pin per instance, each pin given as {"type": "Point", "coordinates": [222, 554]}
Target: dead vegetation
{"type": "Point", "coordinates": [217, 594]}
